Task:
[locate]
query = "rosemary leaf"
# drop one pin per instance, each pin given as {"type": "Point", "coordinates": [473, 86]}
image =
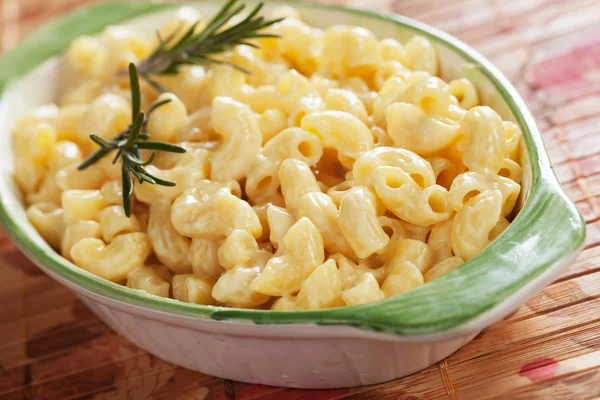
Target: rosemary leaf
{"type": "Point", "coordinates": [102, 143]}
{"type": "Point", "coordinates": [155, 105]}
{"type": "Point", "coordinates": [127, 183]}
{"type": "Point", "coordinates": [161, 146]}
{"type": "Point", "coordinates": [195, 48]}
{"type": "Point", "coordinates": [136, 96]}
{"type": "Point", "coordinates": [128, 145]}
{"type": "Point", "coordinates": [135, 130]}
{"type": "Point", "coordinates": [92, 159]}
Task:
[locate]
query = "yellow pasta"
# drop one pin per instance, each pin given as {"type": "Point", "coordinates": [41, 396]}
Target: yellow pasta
{"type": "Point", "coordinates": [75, 232]}
{"type": "Point", "coordinates": [193, 289]}
{"type": "Point", "coordinates": [365, 290]}
{"type": "Point", "coordinates": [340, 170]}
{"type": "Point", "coordinates": [154, 279]}
{"type": "Point", "coordinates": [49, 220]}
{"type": "Point", "coordinates": [170, 247]}
{"type": "Point", "coordinates": [486, 147]}
{"type": "Point", "coordinates": [359, 224]}
{"type": "Point", "coordinates": [322, 288]}
{"type": "Point", "coordinates": [115, 260]}
{"type": "Point", "coordinates": [114, 222]}
{"type": "Point", "coordinates": [474, 222]}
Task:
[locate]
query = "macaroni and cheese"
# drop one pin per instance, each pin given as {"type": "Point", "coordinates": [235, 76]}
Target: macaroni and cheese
{"type": "Point", "coordinates": [341, 170]}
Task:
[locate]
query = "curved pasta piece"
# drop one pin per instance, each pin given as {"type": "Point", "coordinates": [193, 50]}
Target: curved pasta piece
{"type": "Point", "coordinates": [411, 128]}
{"type": "Point", "coordinates": [394, 229]}
{"type": "Point", "coordinates": [280, 221]}
{"type": "Point", "coordinates": [48, 220]}
{"type": "Point", "coordinates": [364, 290]}
{"type": "Point", "coordinates": [418, 168]}
{"type": "Point", "coordinates": [390, 93]}
{"type": "Point", "coordinates": [228, 82]}
{"type": "Point", "coordinates": [304, 241]}
{"type": "Point", "coordinates": [393, 50]}
{"type": "Point", "coordinates": [403, 277]}
{"type": "Point", "coordinates": [299, 43]}
{"type": "Point", "coordinates": [204, 256]}
{"type": "Point", "coordinates": [445, 169]}
{"type": "Point", "coordinates": [443, 267]}
{"type": "Point", "coordinates": [302, 251]}
{"type": "Point", "coordinates": [474, 222]}
{"type": "Point", "coordinates": [238, 249]}
{"type": "Point", "coordinates": [186, 205]}
{"type": "Point", "coordinates": [106, 116]}
{"type": "Point", "coordinates": [153, 279]}
{"type": "Point", "coordinates": [418, 253]}
{"type": "Point", "coordinates": [193, 289]}
{"type": "Point", "coordinates": [513, 135]}
{"type": "Point", "coordinates": [170, 247]}
{"type": "Point", "coordinates": [359, 224]}
{"type": "Point", "coordinates": [338, 191]}
{"type": "Point", "coordinates": [500, 227]}
{"type": "Point", "coordinates": [346, 101]}
{"type": "Point", "coordinates": [81, 205]}
{"type": "Point", "coordinates": [215, 217]}
{"type": "Point", "coordinates": [486, 147]}
{"type": "Point", "coordinates": [399, 193]}
{"type": "Point", "coordinates": [440, 240]}
{"type": "Point", "coordinates": [75, 232]}
{"type": "Point", "coordinates": [323, 212]}
{"type": "Point", "coordinates": [321, 289]}
{"type": "Point", "coordinates": [389, 69]}
{"type": "Point", "coordinates": [296, 180]}
{"type": "Point", "coordinates": [124, 45]}
{"type": "Point", "coordinates": [470, 184]}
{"type": "Point", "coordinates": [114, 222]}
{"type": "Point", "coordinates": [465, 92]}
{"type": "Point", "coordinates": [271, 122]}
{"type": "Point", "coordinates": [165, 122]}
{"type": "Point", "coordinates": [432, 95]}
{"type": "Point", "coordinates": [115, 260]}
{"type": "Point", "coordinates": [512, 170]}
{"type": "Point", "coordinates": [69, 177]}
{"type": "Point", "coordinates": [292, 88]}
{"type": "Point", "coordinates": [340, 131]}
{"type": "Point", "coordinates": [294, 143]}
{"type": "Point", "coordinates": [262, 182]}
{"type": "Point", "coordinates": [32, 150]}
{"type": "Point", "coordinates": [239, 129]}
{"type": "Point", "coordinates": [87, 55]}
{"type": "Point", "coordinates": [422, 55]}
{"type": "Point", "coordinates": [190, 168]}
{"type": "Point", "coordinates": [350, 50]}
{"type": "Point", "coordinates": [234, 288]}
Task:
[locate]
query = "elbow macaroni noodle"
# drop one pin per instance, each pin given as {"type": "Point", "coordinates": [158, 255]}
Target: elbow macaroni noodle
{"type": "Point", "coordinates": [340, 172]}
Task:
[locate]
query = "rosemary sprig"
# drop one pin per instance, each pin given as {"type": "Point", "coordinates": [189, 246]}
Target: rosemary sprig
{"type": "Point", "coordinates": [198, 47]}
{"type": "Point", "coordinates": [172, 53]}
{"type": "Point", "coordinates": [129, 143]}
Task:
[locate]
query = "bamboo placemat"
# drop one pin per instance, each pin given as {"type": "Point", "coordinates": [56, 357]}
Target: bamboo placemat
{"type": "Point", "coordinates": [53, 347]}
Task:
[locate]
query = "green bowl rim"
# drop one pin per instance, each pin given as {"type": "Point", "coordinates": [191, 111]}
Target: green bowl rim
{"type": "Point", "coordinates": [447, 303]}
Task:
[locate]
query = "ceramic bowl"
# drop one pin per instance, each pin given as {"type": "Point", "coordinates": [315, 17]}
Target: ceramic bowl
{"type": "Point", "coordinates": [341, 347]}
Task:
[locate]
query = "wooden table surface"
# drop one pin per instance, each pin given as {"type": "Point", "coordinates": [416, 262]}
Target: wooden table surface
{"type": "Point", "coordinates": [53, 347]}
